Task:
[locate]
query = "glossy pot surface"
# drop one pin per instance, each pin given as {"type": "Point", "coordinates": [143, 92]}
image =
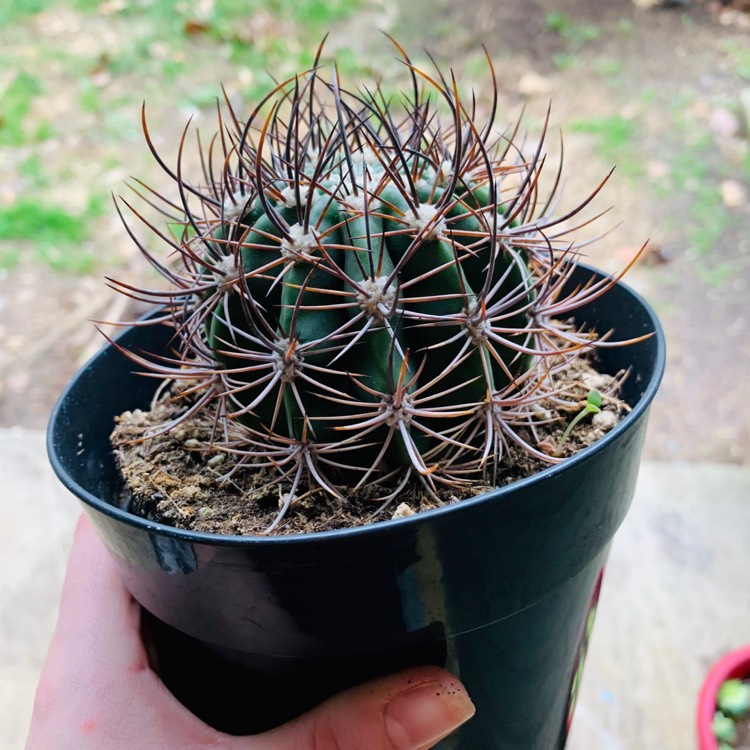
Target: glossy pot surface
{"type": "Point", "coordinates": [498, 589]}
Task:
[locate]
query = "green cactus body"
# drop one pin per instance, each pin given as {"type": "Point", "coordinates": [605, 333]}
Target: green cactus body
{"type": "Point", "coordinates": [362, 300]}
{"type": "Point", "coordinates": [375, 301]}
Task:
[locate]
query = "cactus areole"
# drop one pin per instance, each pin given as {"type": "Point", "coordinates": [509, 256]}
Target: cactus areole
{"type": "Point", "coordinates": [367, 291]}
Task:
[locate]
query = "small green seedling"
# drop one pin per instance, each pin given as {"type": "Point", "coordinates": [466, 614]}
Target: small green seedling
{"type": "Point", "coordinates": [733, 698]}
{"type": "Point", "coordinates": [593, 406]}
{"type": "Point", "coordinates": [724, 729]}
{"type": "Point", "coordinates": [732, 703]}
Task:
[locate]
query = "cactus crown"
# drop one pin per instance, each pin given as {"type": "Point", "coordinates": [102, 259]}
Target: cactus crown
{"type": "Point", "coordinates": [368, 292]}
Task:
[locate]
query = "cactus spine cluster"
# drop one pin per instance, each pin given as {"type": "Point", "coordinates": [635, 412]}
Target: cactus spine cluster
{"type": "Point", "coordinates": [369, 291]}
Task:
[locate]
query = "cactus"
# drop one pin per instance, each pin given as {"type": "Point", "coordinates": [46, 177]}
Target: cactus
{"type": "Point", "coordinates": [368, 292]}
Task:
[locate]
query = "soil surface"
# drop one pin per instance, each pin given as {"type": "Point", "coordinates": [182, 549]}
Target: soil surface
{"type": "Point", "coordinates": [656, 91]}
{"type": "Point", "coordinates": [182, 477]}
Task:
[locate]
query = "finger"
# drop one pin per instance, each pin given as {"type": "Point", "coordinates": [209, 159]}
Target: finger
{"type": "Point", "coordinates": [96, 641]}
{"type": "Point", "coordinates": [96, 689]}
{"type": "Point", "coordinates": [97, 613]}
{"type": "Point", "coordinates": [411, 710]}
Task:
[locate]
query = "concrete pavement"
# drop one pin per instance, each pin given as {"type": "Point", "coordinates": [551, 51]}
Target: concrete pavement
{"type": "Point", "coordinates": [676, 596]}
{"type": "Point", "coordinates": [35, 534]}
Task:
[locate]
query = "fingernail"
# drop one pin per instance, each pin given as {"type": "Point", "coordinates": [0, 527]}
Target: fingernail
{"type": "Point", "coordinates": [422, 715]}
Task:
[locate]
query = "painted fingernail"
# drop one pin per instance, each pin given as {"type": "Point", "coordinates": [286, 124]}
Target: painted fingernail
{"type": "Point", "coordinates": [422, 715]}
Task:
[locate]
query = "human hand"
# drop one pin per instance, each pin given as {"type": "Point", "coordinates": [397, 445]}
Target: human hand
{"type": "Point", "coordinates": [98, 692]}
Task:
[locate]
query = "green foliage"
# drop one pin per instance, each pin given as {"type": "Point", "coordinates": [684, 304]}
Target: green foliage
{"type": "Point", "coordinates": [257, 35]}
{"type": "Point", "coordinates": [89, 97]}
{"type": "Point", "coordinates": [710, 218]}
{"type": "Point", "coordinates": [19, 9]}
{"type": "Point", "coordinates": [739, 57]}
{"type": "Point", "coordinates": [171, 20]}
{"type": "Point", "coordinates": [27, 219]}
{"type": "Point", "coordinates": [10, 256]}
{"type": "Point", "coordinates": [614, 137]}
{"type": "Point", "coordinates": [32, 170]}
{"type": "Point", "coordinates": [626, 26]}
{"type": "Point", "coordinates": [556, 22]}
{"type": "Point", "coordinates": [614, 133]}
{"type": "Point", "coordinates": [54, 235]}
{"type": "Point", "coordinates": [724, 728]}
{"type": "Point", "coordinates": [15, 104]}
{"type": "Point", "coordinates": [576, 34]}
{"type": "Point", "coordinates": [610, 68]}
{"type": "Point", "coordinates": [316, 14]}
{"type": "Point", "coordinates": [14, 11]}
{"type": "Point", "coordinates": [565, 61]}
{"type": "Point", "coordinates": [648, 95]}
{"type": "Point", "coordinates": [593, 406]}
{"type": "Point", "coordinates": [691, 172]}
{"type": "Point", "coordinates": [733, 698]}
{"type": "Point", "coordinates": [732, 704]}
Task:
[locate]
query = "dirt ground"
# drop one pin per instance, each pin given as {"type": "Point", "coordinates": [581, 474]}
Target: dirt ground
{"type": "Point", "coordinates": [655, 91]}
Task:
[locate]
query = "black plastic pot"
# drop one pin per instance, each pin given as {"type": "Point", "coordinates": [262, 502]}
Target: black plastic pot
{"type": "Point", "coordinates": [252, 631]}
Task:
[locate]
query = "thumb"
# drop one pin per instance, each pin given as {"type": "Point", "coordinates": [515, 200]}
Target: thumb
{"type": "Point", "coordinates": [411, 710]}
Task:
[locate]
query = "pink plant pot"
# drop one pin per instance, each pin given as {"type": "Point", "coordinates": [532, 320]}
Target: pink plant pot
{"type": "Point", "coordinates": [734, 664]}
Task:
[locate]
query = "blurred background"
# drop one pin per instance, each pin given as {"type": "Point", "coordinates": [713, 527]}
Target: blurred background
{"type": "Point", "coordinates": [660, 93]}
{"type": "Point", "coordinates": [661, 90]}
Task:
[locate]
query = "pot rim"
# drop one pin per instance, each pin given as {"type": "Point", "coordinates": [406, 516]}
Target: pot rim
{"type": "Point", "coordinates": [734, 664]}
{"type": "Point", "coordinates": [545, 475]}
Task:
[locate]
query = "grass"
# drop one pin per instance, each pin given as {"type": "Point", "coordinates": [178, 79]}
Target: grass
{"type": "Point", "coordinates": [614, 136]}
{"type": "Point", "coordinates": [739, 57]}
{"type": "Point", "coordinates": [691, 172]}
{"type": "Point", "coordinates": [180, 29]}
{"type": "Point", "coordinates": [609, 68]}
{"type": "Point", "coordinates": [576, 34]}
{"type": "Point", "coordinates": [33, 172]}
{"type": "Point", "coordinates": [690, 166]}
{"type": "Point", "coordinates": [710, 221]}
{"type": "Point", "coordinates": [14, 11]}
{"type": "Point", "coordinates": [164, 52]}
{"type": "Point", "coordinates": [16, 103]}
{"type": "Point", "coordinates": [625, 26]}
{"type": "Point", "coordinates": [52, 234]}
{"type": "Point", "coordinates": [565, 61]}
{"type": "Point", "coordinates": [649, 95]}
